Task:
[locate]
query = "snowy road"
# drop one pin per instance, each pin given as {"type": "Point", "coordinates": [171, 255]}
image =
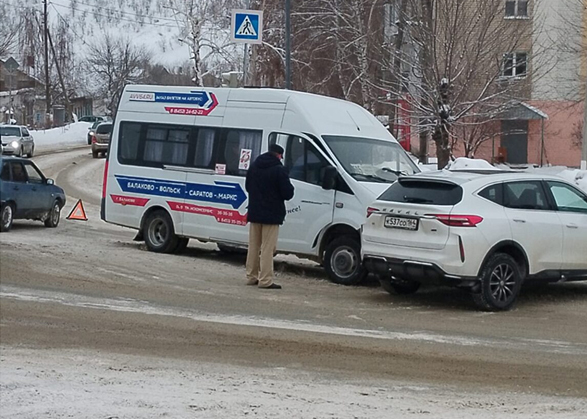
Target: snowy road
{"type": "Point", "coordinates": [94, 326]}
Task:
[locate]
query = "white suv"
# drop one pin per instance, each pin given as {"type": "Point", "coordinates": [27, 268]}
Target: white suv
{"type": "Point", "coordinates": [485, 232]}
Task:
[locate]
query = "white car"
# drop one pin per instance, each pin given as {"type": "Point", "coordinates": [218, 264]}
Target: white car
{"type": "Point", "coordinates": [17, 140]}
{"type": "Point", "coordinates": [485, 232]}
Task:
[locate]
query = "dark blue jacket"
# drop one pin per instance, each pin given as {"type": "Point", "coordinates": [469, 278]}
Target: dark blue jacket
{"type": "Point", "coordinates": [268, 186]}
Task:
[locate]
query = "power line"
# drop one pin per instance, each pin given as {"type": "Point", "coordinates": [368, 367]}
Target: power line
{"type": "Point", "coordinates": [110, 17]}
{"type": "Point", "coordinates": [118, 11]}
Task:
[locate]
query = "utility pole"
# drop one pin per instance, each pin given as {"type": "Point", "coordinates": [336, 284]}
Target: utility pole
{"type": "Point", "coordinates": [288, 44]}
{"type": "Point", "coordinates": [584, 149]}
{"type": "Point", "coordinates": [47, 87]}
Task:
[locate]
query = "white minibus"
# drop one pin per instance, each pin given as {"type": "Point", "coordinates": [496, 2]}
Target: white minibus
{"type": "Point", "coordinates": [179, 155]}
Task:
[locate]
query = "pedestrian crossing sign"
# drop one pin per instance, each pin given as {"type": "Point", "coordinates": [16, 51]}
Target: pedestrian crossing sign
{"type": "Point", "coordinates": [247, 26]}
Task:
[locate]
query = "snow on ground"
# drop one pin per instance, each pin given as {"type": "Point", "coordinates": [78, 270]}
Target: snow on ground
{"type": "Point", "coordinates": [61, 137]}
{"type": "Point", "coordinates": [89, 384]}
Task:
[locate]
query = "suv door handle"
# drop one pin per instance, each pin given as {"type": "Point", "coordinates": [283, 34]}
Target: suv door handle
{"type": "Point", "coordinates": [572, 226]}
{"type": "Point", "coordinates": [517, 220]}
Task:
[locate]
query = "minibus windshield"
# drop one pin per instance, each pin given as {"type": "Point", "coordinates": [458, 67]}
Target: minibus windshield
{"type": "Point", "coordinates": [370, 160]}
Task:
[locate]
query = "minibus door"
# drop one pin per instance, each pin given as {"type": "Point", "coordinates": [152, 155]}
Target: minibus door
{"type": "Point", "coordinates": [311, 208]}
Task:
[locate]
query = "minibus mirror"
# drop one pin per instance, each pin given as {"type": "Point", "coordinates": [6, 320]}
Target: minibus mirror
{"type": "Point", "coordinates": [329, 179]}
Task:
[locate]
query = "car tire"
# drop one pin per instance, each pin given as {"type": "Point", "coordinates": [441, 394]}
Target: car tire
{"type": "Point", "coordinates": [54, 215]}
{"type": "Point", "coordinates": [159, 233]}
{"type": "Point", "coordinates": [501, 281]}
{"type": "Point", "coordinates": [32, 152]}
{"type": "Point", "coordinates": [182, 244]}
{"type": "Point", "coordinates": [6, 217]}
{"type": "Point", "coordinates": [21, 151]}
{"type": "Point", "coordinates": [342, 261]}
{"type": "Point", "coordinates": [397, 286]}
{"type": "Point", "coordinates": [94, 154]}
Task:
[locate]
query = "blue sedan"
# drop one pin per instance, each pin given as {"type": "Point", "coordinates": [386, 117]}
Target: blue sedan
{"type": "Point", "coordinates": [25, 193]}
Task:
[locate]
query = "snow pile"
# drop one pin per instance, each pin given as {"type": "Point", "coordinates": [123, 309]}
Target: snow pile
{"type": "Point", "coordinates": [61, 137]}
{"type": "Point", "coordinates": [464, 163]}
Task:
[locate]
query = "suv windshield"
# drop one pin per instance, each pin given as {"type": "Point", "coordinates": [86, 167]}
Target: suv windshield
{"type": "Point", "coordinates": [9, 131]}
{"type": "Point", "coordinates": [371, 160]}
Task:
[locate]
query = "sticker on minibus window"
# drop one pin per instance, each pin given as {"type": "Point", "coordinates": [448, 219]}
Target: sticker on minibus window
{"type": "Point", "coordinates": [220, 169]}
{"type": "Point", "coordinates": [245, 159]}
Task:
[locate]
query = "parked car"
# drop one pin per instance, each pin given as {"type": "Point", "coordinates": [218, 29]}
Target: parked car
{"type": "Point", "coordinates": [101, 139]}
{"type": "Point", "coordinates": [92, 131]}
{"type": "Point", "coordinates": [25, 193]}
{"type": "Point", "coordinates": [17, 140]}
{"type": "Point", "coordinates": [487, 233]}
{"type": "Point", "coordinates": [92, 118]}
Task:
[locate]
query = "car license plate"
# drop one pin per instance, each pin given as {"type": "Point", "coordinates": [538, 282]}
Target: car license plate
{"type": "Point", "coordinates": [400, 222]}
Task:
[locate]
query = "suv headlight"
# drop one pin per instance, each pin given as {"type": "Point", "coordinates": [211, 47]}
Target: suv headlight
{"type": "Point", "coordinates": [14, 144]}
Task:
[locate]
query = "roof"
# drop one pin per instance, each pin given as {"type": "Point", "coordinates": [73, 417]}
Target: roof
{"type": "Point", "coordinates": [523, 111]}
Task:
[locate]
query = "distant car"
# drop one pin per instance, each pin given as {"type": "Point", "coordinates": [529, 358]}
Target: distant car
{"type": "Point", "coordinates": [92, 131]}
{"type": "Point", "coordinates": [91, 118]}
{"type": "Point", "coordinates": [17, 140]}
{"type": "Point", "coordinates": [25, 193]}
{"type": "Point", "coordinates": [101, 139]}
{"type": "Point", "coordinates": [488, 233]}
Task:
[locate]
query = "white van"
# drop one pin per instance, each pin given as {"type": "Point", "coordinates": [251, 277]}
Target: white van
{"type": "Point", "coordinates": [179, 155]}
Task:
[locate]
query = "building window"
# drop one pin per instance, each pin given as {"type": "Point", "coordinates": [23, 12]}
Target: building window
{"type": "Point", "coordinates": [516, 9]}
{"type": "Point", "coordinates": [515, 64]}
{"type": "Point", "coordinates": [391, 16]}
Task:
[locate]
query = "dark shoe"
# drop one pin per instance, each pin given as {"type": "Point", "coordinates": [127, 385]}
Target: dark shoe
{"type": "Point", "coordinates": [272, 287]}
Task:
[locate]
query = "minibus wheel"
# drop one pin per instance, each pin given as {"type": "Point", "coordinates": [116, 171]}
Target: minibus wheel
{"type": "Point", "coordinates": [342, 261]}
{"type": "Point", "coordinates": [159, 233]}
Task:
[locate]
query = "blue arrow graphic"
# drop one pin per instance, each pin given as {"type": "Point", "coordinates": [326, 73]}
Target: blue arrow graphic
{"type": "Point", "coordinates": [227, 193]}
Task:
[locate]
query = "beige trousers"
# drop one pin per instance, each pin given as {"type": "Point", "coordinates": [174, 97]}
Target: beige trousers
{"type": "Point", "coordinates": [262, 245]}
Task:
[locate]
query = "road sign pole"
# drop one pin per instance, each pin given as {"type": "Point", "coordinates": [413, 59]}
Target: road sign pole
{"type": "Point", "coordinates": [245, 53]}
{"type": "Point", "coordinates": [287, 44]}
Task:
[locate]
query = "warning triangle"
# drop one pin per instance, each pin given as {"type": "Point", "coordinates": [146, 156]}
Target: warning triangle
{"type": "Point", "coordinates": [78, 212]}
{"type": "Point", "coordinates": [246, 28]}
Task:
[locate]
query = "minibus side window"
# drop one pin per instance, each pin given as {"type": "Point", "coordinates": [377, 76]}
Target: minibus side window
{"type": "Point", "coordinates": [304, 161]}
{"type": "Point", "coordinates": [130, 135]}
{"type": "Point", "coordinates": [166, 145]}
{"type": "Point", "coordinates": [205, 147]}
{"type": "Point", "coordinates": [234, 142]}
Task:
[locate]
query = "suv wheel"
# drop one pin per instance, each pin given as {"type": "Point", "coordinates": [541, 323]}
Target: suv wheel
{"type": "Point", "coordinates": [159, 233]}
{"type": "Point", "coordinates": [399, 286]}
{"type": "Point", "coordinates": [500, 283]}
{"type": "Point", "coordinates": [342, 261]}
{"type": "Point", "coordinates": [6, 217]}
{"type": "Point", "coordinates": [32, 152]}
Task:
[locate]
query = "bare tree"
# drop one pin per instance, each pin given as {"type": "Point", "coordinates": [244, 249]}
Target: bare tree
{"type": "Point", "coordinates": [116, 62]}
{"type": "Point", "coordinates": [204, 28]}
{"type": "Point", "coordinates": [8, 31]}
{"type": "Point", "coordinates": [456, 64]}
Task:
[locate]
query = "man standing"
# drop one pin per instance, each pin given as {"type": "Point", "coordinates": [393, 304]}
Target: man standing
{"type": "Point", "coordinates": [269, 187]}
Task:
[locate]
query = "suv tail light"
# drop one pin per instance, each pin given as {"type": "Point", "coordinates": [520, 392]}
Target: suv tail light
{"type": "Point", "coordinates": [371, 210]}
{"type": "Point", "coordinates": [94, 139]}
{"type": "Point", "coordinates": [458, 220]}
